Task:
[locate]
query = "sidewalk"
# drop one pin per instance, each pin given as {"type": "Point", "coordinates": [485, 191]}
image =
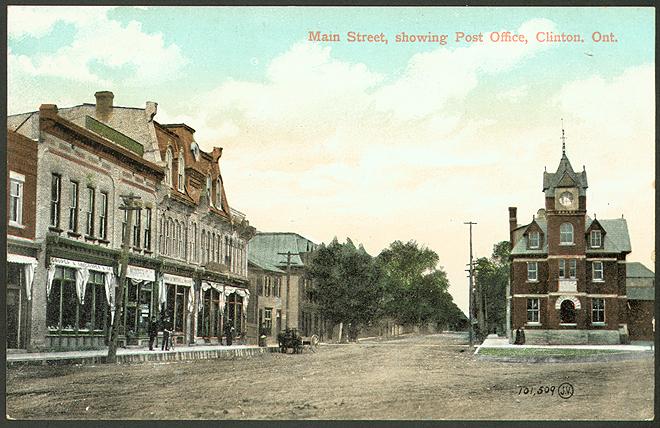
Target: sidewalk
{"type": "Point", "coordinates": [127, 355]}
{"type": "Point", "coordinates": [503, 342]}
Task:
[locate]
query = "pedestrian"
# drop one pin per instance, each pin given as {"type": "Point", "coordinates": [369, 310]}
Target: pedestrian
{"type": "Point", "coordinates": [517, 341]}
{"type": "Point", "coordinates": [153, 333]}
{"type": "Point", "coordinates": [229, 328]}
{"type": "Point", "coordinates": [166, 334]}
{"type": "Point", "coordinates": [522, 335]}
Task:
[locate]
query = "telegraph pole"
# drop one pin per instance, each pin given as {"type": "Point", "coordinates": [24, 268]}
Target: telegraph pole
{"type": "Point", "coordinates": [471, 285]}
{"type": "Point", "coordinates": [129, 205]}
{"type": "Point", "coordinates": [288, 255]}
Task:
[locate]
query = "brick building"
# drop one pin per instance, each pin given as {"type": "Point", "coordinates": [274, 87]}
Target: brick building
{"type": "Point", "coordinates": [568, 270]}
{"type": "Point", "coordinates": [67, 170]}
{"type": "Point", "coordinates": [640, 289]}
{"type": "Point", "coordinates": [268, 277]}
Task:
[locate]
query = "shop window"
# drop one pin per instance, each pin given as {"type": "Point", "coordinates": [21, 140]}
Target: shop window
{"type": "Point", "coordinates": [63, 309]}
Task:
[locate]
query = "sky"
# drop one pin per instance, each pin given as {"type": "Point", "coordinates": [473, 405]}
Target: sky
{"type": "Point", "coordinates": [376, 142]}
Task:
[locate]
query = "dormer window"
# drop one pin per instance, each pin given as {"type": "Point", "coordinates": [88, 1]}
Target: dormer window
{"type": "Point", "coordinates": [182, 172]}
{"type": "Point", "coordinates": [218, 193]}
{"type": "Point", "coordinates": [194, 147]}
{"type": "Point", "coordinates": [168, 167]}
{"type": "Point", "coordinates": [533, 240]}
{"type": "Point", "coordinates": [596, 239]}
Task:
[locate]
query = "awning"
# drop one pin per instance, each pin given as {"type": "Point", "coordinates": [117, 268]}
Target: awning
{"type": "Point", "coordinates": [140, 273]}
{"type": "Point", "coordinates": [210, 284]}
{"type": "Point", "coordinates": [29, 265]}
{"type": "Point", "coordinates": [82, 274]}
{"type": "Point", "coordinates": [178, 280]}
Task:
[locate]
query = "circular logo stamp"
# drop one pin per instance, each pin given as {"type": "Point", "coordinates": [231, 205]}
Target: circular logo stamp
{"type": "Point", "coordinates": [566, 390]}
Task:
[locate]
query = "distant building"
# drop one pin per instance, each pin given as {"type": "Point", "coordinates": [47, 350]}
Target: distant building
{"type": "Point", "coordinates": [640, 289]}
{"type": "Point", "coordinates": [268, 277]}
{"type": "Point", "coordinates": [568, 272]}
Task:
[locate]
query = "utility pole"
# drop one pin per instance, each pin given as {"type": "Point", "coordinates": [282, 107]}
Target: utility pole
{"type": "Point", "coordinates": [288, 255]}
{"type": "Point", "coordinates": [471, 286]}
{"type": "Point", "coordinates": [129, 205]}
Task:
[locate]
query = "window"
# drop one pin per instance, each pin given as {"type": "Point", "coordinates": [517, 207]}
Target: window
{"type": "Point", "coordinates": [123, 226]}
{"type": "Point", "coordinates": [103, 216]}
{"type": "Point", "coordinates": [73, 208]}
{"type": "Point", "coordinates": [598, 310]}
{"type": "Point", "coordinates": [91, 196]}
{"type": "Point", "coordinates": [532, 310]}
{"type": "Point", "coordinates": [596, 240]}
{"type": "Point", "coordinates": [137, 224]}
{"type": "Point", "coordinates": [55, 190]}
{"type": "Point", "coordinates": [218, 193]}
{"type": "Point", "coordinates": [208, 189]}
{"type": "Point", "coordinates": [268, 319]}
{"type": "Point", "coordinates": [532, 271]}
{"type": "Point", "coordinates": [168, 167]}
{"type": "Point", "coordinates": [63, 309]}
{"type": "Point", "coordinates": [227, 251]}
{"type": "Point", "coordinates": [276, 286]}
{"type": "Point", "coordinates": [267, 285]}
{"type": "Point", "coordinates": [147, 229]}
{"type": "Point", "coordinates": [597, 271]}
{"type": "Point", "coordinates": [534, 240]}
{"type": "Point", "coordinates": [195, 242]}
{"type": "Point", "coordinates": [565, 234]}
{"type": "Point", "coordinates": [182, 172]}
{"type": "Point", "coordinates": [16, 199]}
{"type": "Point", "coordinates": [572, 268]}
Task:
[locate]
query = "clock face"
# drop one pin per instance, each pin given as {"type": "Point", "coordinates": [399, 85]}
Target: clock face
{"type": "Point", "coordinates": [566, 199]}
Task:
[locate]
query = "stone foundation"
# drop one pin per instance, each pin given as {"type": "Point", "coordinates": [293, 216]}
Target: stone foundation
{"type": "Point", "coordinates": [572, 337]}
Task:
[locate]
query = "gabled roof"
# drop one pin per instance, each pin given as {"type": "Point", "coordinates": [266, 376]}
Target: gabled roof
{"type": "Point", "coordinates": [264, 247]}
{"type": "Point", "coordinates": [640, 282]}
{"type": "Point", "coordinates": [564, 177]}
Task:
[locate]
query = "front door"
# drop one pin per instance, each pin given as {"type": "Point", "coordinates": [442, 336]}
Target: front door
{"type": "Point", "coordinates": [16, 307]}
{"type": "Point", "coordinates": [567, 312]}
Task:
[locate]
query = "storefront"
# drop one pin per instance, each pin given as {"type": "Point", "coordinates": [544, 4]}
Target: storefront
{"type": "Point", "coordinates": [237, 300]}
{"type": "Point", "coordinates": [78, 303]}
{"type": "Point", "coordinates": [140, 301]}
{"type": "Point", "coordinates": [209, 312]}
{"type": "Point", "coordinates": [179, 304]}
{"type": "Point", "coordinates": [20, 278]}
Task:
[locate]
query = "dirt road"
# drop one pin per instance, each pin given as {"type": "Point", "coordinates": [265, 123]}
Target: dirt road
{"type": "Point", "coordinates": [424, 377]}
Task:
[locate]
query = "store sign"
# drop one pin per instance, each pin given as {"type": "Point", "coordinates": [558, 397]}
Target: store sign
{"type": "Point", "coordinates": [177, 280]}
{"type": "Point", "coordinates": [141, 273]}
{"type": "Point", "coordinates": [80, 265]}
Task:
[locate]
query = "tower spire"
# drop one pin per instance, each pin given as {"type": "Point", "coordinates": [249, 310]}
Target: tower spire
{"type": "Point", "coordinates": [563, 139]}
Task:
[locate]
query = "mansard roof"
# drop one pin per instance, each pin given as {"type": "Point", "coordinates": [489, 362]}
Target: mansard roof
{"type": "Point", "coordinates": [616, 238]}
{"type": "Point", "coordinates": [565, 176]}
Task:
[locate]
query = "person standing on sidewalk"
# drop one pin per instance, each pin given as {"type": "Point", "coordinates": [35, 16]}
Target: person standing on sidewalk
{"type": "Point", "coordinates": [228, 332]}
{"type": "Point", "coordinates": [166, 334]}
{"type": "Point", "coordinates": [153, 333]}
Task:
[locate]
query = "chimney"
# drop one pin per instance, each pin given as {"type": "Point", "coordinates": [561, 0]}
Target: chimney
{"type": "Point", "coordinates": [150, 110]}
{"type": "Point", "coordinates": [216, 153]}
{"type": "Point", "coordinates": [513, 223]}
{"type": "Point", "coordinates": [47, 110]}
{"type": "Point", "coordinates": [104, 104]}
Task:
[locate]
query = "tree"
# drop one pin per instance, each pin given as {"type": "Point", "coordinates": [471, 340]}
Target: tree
{"type": "Point", "coordinates": [492, 280]}
{"type": "Point", "coordinates": [415, 289]}
{"type": "Point", "coordinates": [347, 284]}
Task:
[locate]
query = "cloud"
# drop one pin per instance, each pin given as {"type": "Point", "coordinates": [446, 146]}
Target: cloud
{"type": "Point", "coordinates": [103, 51]}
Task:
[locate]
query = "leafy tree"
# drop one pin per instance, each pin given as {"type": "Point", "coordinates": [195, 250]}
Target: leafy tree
{"type": "Point", "coordinates": [415, 289]}
{"type": "Point", "coordinates": [491, 282]}
{"type": "Point", "coordinates": [347, 284]}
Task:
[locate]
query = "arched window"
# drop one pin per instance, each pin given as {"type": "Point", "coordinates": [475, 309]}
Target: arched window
{"type": "Point", "coordinates": [203, 260]}
{"type": "Point", "coordinates": [218, 193]}
{"type": "Point", "coordinates": [182, 171]}
{"type": "Point", "coordinates": [208, 189]}
{"type": "Point", "coordinates": [168, 167]}
{"type": "Point", "coordinates": [566, 233]}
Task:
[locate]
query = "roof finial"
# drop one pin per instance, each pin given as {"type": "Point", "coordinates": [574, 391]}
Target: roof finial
{"type": "Point", "coordinates": [563, 138]}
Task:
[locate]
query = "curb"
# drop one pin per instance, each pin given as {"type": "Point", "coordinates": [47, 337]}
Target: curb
{"type": "Point", "coordinates": [617, 356]}
{"type": "Point", "coordinates": [222, 354]}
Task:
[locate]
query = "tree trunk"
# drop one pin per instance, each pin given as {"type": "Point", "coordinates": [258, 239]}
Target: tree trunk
{"type": "Point", "coordinates": [341, 327]}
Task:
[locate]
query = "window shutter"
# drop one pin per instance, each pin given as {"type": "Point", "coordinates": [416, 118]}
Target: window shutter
{"type": "Point", "coordinates": [260, 286]}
